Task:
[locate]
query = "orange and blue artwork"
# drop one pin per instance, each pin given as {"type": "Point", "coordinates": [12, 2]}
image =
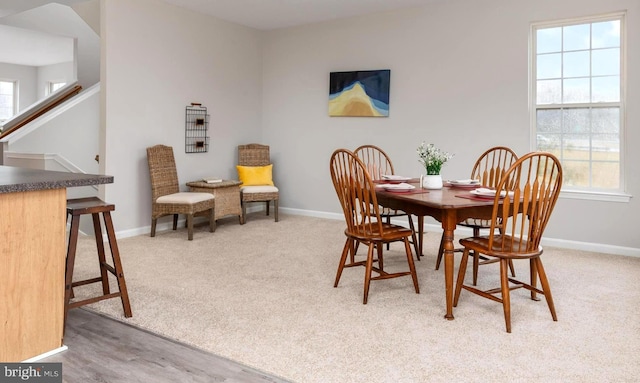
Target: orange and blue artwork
{"type": "Point", "coordinates": [359, 93]}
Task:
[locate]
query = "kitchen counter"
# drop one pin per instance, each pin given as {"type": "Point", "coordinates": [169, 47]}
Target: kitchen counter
{"type": "Point", "coordinates": [14, 179]}
{"type": "Point", "coordinates": [32, 258]}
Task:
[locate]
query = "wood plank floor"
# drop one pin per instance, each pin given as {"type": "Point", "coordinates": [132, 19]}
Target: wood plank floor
{"type": "Point", "coordinates": [102, 349]}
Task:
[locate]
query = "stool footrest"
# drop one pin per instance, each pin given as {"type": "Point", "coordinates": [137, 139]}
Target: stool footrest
{"type": "Point", "coordinates": [93, 300]}
{"type": "Point", "coordinates": [86, 282]}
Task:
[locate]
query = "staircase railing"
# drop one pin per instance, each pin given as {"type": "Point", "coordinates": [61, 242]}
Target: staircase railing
{"type": "Point", "coordinates": [39, 108]}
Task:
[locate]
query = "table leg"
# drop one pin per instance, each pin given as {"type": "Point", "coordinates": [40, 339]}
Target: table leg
{"type": "Point", "coordinates": [448, 226]}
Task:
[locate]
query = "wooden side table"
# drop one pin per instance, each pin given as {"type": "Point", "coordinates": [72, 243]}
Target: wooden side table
{"type": "Point", "coordinates": [227, 195]}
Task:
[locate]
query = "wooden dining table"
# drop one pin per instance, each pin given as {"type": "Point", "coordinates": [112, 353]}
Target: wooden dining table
{"type": "Point", "coordinates": [449, 206]}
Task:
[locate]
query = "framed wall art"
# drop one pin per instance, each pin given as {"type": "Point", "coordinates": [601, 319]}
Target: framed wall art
{"type": "Point", "coordinates": [359, 93]}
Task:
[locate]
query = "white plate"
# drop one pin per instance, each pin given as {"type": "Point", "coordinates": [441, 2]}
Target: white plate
{"type": "Point", "coordinates": [465, 182]}
{"type": "Point", "coordinates": [393, 177]}
{"type": "Point", "coordinates": [400, 190]}
{"type": "Point", "coordinates": [489, 193]}
{"type": "Point", "coordinates": [399, 187]}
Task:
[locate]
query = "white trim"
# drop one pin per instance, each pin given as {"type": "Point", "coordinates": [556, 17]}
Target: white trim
{"type": "Point", "coordinates": [68, 165]}
{"type": "Point", "coordinates": [595, 196]}
{"type": "Point", "coordinates": [46, 354]}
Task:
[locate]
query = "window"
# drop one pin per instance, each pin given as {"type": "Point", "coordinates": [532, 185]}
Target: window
{"type": "Point", "coordinates": [7, 100]}
{"type": "Point", "coordinates": [53, 86]}
{"type": "Point", "coordinates": [577, 95]}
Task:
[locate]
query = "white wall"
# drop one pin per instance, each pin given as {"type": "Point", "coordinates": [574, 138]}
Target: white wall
{"type": "Point", "coordinates": [459, 79]}
{"type": "Point", "coordinates": [63, 134]}
{"type": "Point", "coordinates": [157, 59]}
{"type": "Point", "coordinates": [62, 72]}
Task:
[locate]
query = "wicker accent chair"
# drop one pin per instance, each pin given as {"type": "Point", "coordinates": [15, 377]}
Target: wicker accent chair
{"type": "Point", "coordinates": [489, 169]}
{"type": "Point", "coordinates": [377, 163]}
{"type": "Point", "coordinates": [166, 197]}
{"type": "Point", "coordinates": [356, 192]}
{"type": "Point", "coordinates": [533, 184]}
{"type": "Point", "coordinates": [257, 155]}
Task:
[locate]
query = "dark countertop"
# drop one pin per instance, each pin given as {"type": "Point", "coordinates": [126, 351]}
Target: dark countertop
{"type": "Point", "coordinates": [15, 179]}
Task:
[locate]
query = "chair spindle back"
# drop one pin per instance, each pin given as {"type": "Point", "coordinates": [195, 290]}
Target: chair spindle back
{"type": "Point", "coordinates": [492, 164]}
{"type": "Point", "coordinates": [356, 192]}
{"type": "Point", "coordinates": [533, 185]}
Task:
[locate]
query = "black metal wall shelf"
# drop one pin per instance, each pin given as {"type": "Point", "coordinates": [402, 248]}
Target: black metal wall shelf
{"type": "Point", "coordinates": [196, 137]}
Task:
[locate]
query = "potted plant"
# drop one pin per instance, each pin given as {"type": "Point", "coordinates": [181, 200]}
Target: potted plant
{"type": "Point", "coordinates": [432, 159]}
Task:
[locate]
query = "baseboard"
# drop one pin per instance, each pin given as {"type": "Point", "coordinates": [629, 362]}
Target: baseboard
{"type": "Point", "coordinates": [46, 354]}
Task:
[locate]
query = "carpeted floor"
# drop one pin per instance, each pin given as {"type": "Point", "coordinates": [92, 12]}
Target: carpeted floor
{"type": "Point", "coordinates": [262, 294]}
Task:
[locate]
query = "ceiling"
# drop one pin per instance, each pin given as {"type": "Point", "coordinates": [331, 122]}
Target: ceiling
{"type": "Point", "coordinates": [274, 14]}
{"type": "Point", "coordinates": [43, 48]}
{"type": "Point", "coordinates": [258, 14]}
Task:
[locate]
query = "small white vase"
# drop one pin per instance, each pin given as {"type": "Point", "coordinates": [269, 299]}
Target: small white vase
{"type": "Point", "coordinates": [432, 181]}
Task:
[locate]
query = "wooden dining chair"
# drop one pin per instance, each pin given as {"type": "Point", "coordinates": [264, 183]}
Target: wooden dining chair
{"type": "Point", "coordinates": [489, 169]}
{"type": "Point", "coordinates": [532, 186]}
{"type": "Point", "coordinates": [357, 196]}
{"type": "Point", "coordinates": [378, 163]}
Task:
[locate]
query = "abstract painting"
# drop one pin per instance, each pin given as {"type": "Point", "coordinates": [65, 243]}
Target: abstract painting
{"type": "Point", "coordinates": [359, 93]}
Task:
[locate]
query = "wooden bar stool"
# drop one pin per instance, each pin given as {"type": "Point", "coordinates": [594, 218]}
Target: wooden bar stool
{"type": "Point", "coordinates": [94, 206]}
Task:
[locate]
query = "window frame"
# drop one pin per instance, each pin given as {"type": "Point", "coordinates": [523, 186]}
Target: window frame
{"type": "Point", "coordinates": [54, 84]}
{"type": "Point", "coordinates": [615, 195]}
{"type": "Point", "coordinates": [15, 98]}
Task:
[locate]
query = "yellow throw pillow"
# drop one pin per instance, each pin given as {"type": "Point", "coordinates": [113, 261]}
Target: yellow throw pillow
{"type": "Point", "coordinates": [255, 175]}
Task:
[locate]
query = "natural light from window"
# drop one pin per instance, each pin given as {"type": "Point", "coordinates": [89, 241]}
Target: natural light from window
{"type": "Point", "coordinates": [578, 81]}
{"type": "Point", "coordinates": [7, 100]}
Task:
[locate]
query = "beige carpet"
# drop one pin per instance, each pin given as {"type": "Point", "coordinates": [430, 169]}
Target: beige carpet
{"type": "Point", "coordinates": [262, 294]}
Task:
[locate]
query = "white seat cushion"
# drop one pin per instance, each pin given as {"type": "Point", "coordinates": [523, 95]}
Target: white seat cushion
{"type": "Point", "coordinates": [184, 198]}
{"type": "Point", "coordinates": [258, 189]}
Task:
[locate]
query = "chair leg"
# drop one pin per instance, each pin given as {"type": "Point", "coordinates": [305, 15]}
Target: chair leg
{"type": "Point", "coordinates": [347, 245]}
{"type": "Point", "coordinates": [97, 231]}
{"type": "Point", "coordinates": [476, 258]}
{"type": "Point", "coordinates": [275, 208]}
{"type": "Point", "coordinates": [367, 275]}
{"type": "Point", "coordinates": [461, 273]}
{"type": "Point", "coordinates": [440, 252]}
{"type": "Point", "coordinates": [388, 223]}
{"type": "Point", "coordinates": [506, 295]}
{"type": "Point", "coordinates": [70, 262]}
{"type": "Point", "coordinates": [533, 278]}
{"type": "Point", "coordinates": [545, 287]}
{"type": "Point", "coordinates": [354, 251]}
{"type": "Point", "coordinates": [476, 264]}
{"type": "Point", "coordinates": [212, 221]}
{"type": "Point", "coordinates": [267, 207]}
{"type": "Point", "coordinates": [153, 226]}
{"type": "Point", "coordinates": [380, 256]}
{"type": "Point", "coordinates": [414, 237]}
{"type": "Point", "coordinates": [412, 266]}
{"type": "Point", "coordinates": [175, 221]}
{"type": "Point", "coordinates": [244, 212]}
{"type": "Point", "coordinates": [117, 264]}
{"type": "Point", "coordinates": [190, 226]}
